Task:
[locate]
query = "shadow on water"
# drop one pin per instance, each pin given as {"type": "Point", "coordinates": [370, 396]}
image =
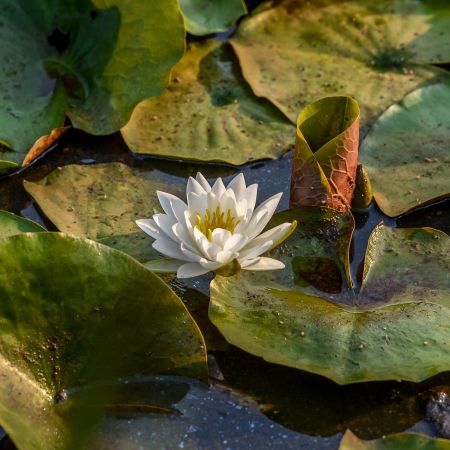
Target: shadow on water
{"type": "Point", "coordinates": [302, 402]}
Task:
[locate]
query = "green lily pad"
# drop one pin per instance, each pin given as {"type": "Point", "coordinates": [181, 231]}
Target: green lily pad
{"type": "Point", "coordinates": [64, 57]}
{"type": "Point", "coordinates": [7, 167]}
{"type": "Point", "coordinates": [400, 331]}
{"type": "Point", "coordinates": [208, 113]}
{"type": "Point", "coordinates": [10, 225]}
{"type": "Point", "coordinates": [298, 52]}
{"type": "Point", "coordinates": [400, 441]}
{"type": "Point", "coordinates": [102, 202]}
{"type": "Point", "coordinates": [326, 154]}
{"type": "Point", "coordinates": [75, 313]}
{"type": "Point", "coordinates": [205, 17]}
{"type": "Point", "coordinates": [410, 168]}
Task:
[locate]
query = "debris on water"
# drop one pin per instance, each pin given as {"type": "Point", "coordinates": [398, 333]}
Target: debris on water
{"type": "Point", "coordinates": [61, 396]}
{"type": "Point", "coordinates": [438, 412]}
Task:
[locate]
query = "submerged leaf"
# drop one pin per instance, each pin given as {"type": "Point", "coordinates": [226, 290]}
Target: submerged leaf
{"type": "Point", "coordinates": [10, 225]}
{"type": "Point", "coordinates": [64, 57]}
{"type": "Point", "coordinates": [102, 202]}
{"type": "Point", "coordinates": [84, 314]}
{"type": "Point", "coordinates": [398, 331]}
{"type": "Point", "coordinates": [406, 153]}
{"type": "Point", "coordinates": [208, 113]}
{"type": "Point", "coordinates": [300, 51]}
{"type": "Point", "coordinates": [400, 441]}
{"type": "Point", "coordinates": [326, 154]}
{"type": "Point", "coordinates": [205, 17]}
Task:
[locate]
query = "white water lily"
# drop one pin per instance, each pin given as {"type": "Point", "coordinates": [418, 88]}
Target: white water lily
{"type": "Point", "coordinates": [218, 227]}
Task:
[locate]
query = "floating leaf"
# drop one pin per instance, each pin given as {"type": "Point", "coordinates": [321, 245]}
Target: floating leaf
{"type": "Point", "coordinates": [326, 154]}
{"type": "Point", "coordinates": [400, 441]}
{"type": "Point", "coordinates": [300, 51]}
{"type": "Point", "coordinates": [406, 153]}
{"type": "Point", "coordinates": [284, 324]}
{"type": "Point", "coordinates": [102, 202]}
{"type": "Point", "coordinates": [205, 17]}
{"type": "Point", "coordinates": [64, 57]}
{"type": "Point", "coordinates": [74, 314]}
{"type": "Point", "coordinates": [208, 113]}
{"type": "Point", "coordinates": [10, 225]}
{"type": "Point", "coordinates": [7, 167]}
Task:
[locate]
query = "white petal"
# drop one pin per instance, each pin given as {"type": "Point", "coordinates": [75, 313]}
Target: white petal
{"type": "Point", "coordinates": [220, 236]}
{"type": "Point", "coordinates": [149, 227]}
{"type": "Point", "coordinates": [190, 255]}
{"type": "Point", "coordinates": [183, 235]}
{"type": "Point", "coordinates": [194, 186]}
{"type": "Point", "coordinates": [197, 203]}
{"type": "Point", "coordinates": [218, 188]}
{"type": "Point", "coordinates": [235, 242]}
{"type": "Point", "coordinates": [190, 270]}
{"type": "Point", "coordinates": [169, 248]}
{"type": "Point", "coordinates": [212, 202]}
{"type": "Point", "coordinates": [250, 195]}
{"type": "Point", "coordinates": [202, 180]}
{"type": "Point", "coordinates": [207, 248]}
{"type": "Point", "coordinates": [262, 263]}
{"type": "Point", "coordinates": [238, 185]}
{"type": "Point", "coordinates": [268, 207]}
{"type": "Point", "coordinates": [210, 265]}
{"type": "Point", "coordinates": [228, 202]}
{"type": "Point", "coordinates": [270, 235]}
{"type": "Point", "coordinates": [225, 256]}
{"type": "Point", "coordinates": [165, 224]}
{"type": "Point", "coordinates": [170, 203]}
{"type": "Point", "coordinates": [254, 249]}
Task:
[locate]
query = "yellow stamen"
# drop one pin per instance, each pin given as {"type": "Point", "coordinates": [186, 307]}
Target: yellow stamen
{"type": "Point", "coordinates": [215, 219]}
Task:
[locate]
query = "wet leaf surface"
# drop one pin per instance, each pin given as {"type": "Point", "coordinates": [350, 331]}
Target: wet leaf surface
{"type": "Point", "coordinates": [401, 441]}
{"type": "Point", "coordinates": [266, 316]}
{"type": "Point", "coordinates": [71, 54]}
{"type": "Point", "coordinates": [10, 225]}
{"type": "Point", "coordinates": [208, 113]}
{"type": "Point", "coordinates": [85, 314]}
{"type": "Point", "coordinates": [326, 154]}
{"type": "Point", "coordinates": [373, 51]}
{"type": "Point", "coordinates": [410, 168]}
{"type": "Point", "coordinates": [204, 17]}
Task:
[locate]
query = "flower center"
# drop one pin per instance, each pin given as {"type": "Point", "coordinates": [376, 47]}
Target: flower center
{"type": "Point", "coordinates": [215, 219]}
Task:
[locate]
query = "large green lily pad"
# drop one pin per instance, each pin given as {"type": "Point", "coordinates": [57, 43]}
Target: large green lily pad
{"type": "Point", "coordinates": [61, 57]}
{"type": "Point", "coordinates": [407, 151]}
{"type": "Point", "coordinates": [10, 225]}
{"type": "Point", "coordinates": [102, 202]}
{"type": "Point", "coordinates": [205, 17]}
{"type": "Point", "coordinates": [75, 313]}
{"type": "Point", "coordinates": [208, 113]}
{"type": "Point", "coordinates": [300, 51]}
{"type": "Point", "coordinates": [400, 331]}
{"type": "Point", "coordinates": [400, 441]}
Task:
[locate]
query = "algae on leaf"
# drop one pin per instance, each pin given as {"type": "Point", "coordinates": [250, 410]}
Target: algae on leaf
{"type": "Point", "coordinates": [93, 61]}
{"type": "Point", "coordinates": [205, 17]}
{"type": "Point", "coordinates": [407, 151]}
{"type": "Point", "coordinates": [375, 51]}
{"type": "Point", "coordinates": [208, 113]}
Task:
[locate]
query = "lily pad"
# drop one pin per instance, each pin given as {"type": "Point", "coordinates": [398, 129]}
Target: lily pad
{"type": "Point", "coordinates": [75, 313]}
{"type": "Point", "coordinates": [377, 52]}
{"type": "Point", "coordinates": [10, 225]}
{"type": "Point", "coordinates": [205, 17]}
{"type": "Point", "coordinates": [401, 335]}
{"type": "Point", "coordinates": [102, 202]}
{"type": "Point", "coordinates": [208, 113]}
{"type": "Point", "coordinates": [410, 168]}
{"type": "Point", "coordinates": [326, 154]}
{"type": "Point", "coordinates": [64, 57]}
{"type": "Point", "coordinates": [400, 441]}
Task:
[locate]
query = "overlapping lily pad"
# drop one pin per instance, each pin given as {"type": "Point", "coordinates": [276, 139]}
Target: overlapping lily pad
{"type": "Point", "coordinates": [208, 113]}
{"type": "Point", "coordinates": [407, 152]}
{"type": "Point", "coordinates": [61, 57]}
{"type": "Point", "coordinates": [102, 202]}
{"type": "Point", "coordinates": [400, 332]}
{"type": "Point", "coordinates": [300, 51]}
{"type": "Point", "coordinates": [10, 225]}
{"type": "Point", "coordinates": [401, 441]}
{"type": "Point", "coordinates": [205, 17]}
{"type": "Point", "coordinates": [75, 314]}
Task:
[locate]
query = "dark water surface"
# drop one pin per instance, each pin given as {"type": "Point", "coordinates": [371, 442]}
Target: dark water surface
{"type": "Point", "coordinates": [251, 403]}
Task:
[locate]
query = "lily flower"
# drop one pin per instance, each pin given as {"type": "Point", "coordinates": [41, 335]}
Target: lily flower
{"type": "Point", "coordinates": [219, 229]}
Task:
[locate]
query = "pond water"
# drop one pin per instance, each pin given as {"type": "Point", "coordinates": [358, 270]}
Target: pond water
{"type": "Point", "coordinates": [251, 403]}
